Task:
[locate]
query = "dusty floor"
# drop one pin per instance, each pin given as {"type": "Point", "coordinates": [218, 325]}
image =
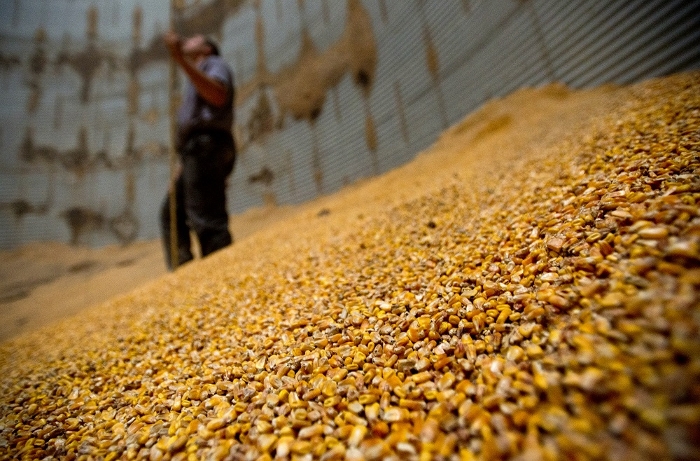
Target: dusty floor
{"type": "Point", "coordinates": [44, 282]}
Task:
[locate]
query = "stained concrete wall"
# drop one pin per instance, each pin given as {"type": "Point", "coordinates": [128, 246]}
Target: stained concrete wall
{"type": "Point", "coordinates": [327, 91]}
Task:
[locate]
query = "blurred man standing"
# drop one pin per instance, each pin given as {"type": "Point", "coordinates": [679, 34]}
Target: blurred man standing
{"type": "Point", "coordinates": [205, 146]}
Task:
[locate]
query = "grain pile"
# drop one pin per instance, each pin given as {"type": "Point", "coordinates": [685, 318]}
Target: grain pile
{"type": "Point", "coordinates": [549, 310]}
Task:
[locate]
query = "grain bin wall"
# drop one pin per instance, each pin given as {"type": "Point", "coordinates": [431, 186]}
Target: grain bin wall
{"type": "Point", "coordinates": [328, 92]}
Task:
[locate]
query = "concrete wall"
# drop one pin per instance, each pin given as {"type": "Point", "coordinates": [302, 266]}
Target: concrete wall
{"type": "Point", "coordinates": [328, 91]}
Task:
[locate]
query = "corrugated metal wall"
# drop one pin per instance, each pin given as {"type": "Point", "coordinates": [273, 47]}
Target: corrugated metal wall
{"type": "Point", "coordinates": [83, 124]}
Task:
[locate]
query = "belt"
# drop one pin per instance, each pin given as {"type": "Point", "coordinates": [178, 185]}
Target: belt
{"type": "Point", "coordinates": [195, 132]}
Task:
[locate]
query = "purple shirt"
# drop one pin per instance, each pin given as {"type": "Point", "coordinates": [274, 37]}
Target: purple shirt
{"type": "Point", "coordinates": [196, 113]}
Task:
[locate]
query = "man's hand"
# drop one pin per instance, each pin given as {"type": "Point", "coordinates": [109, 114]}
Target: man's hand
{"type": "Point", "coordinates": [187, 55]}
{"type": "Point", "coordinates": [174, 45]}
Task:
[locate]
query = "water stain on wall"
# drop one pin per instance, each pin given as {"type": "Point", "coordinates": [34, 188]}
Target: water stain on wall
{"type": "Point", "coordinates": [81, 221]}
{"type": "Point", "coordinates": [135, 61]}
{"type": "Point", "coordinates": [326, 11]}
{"type": "Point", "coordinates": [38, 62]}
{"type": "Point", "coordinates": [261, 121]}
{"type": "Point", "coordinates": [132, 96]}
{"type": "Point", "coordinates": [316, 167]}
{"type": "Point", "coordinates": [124, 226]}
{"type": "Point", "coordinates": [371, 137]}
{"type": "Point", "coordinates": [301, 88]}
{"type": "Point", "coordinates": [130, 186]}
{"type": "Point", "coordinates": [433, 65]}
{"type": "Point", "coordinates": [403, 124]}
{"type": "Point", "coordinates": [77, 159]}
{"type": "Point", "coordinates": [80, 159]}
{"type": "Point", "coordinates": [370, 130]}
{"type": "Point", "coordinates": [261, 62]}
{"type": "Point", "coordinates": [140, 57]}
{"type": "Point", "coordinates": [30, 152]}
{"type": "Point", "coordinates": [151, 115]}
{"type": "Point", "coordinates": [86, 62]}
{"type": "Point", "coordinates": [264, 176]}
{"type": "Point", "coordinates": [541, 42]}
{"type": "Point", "coordinates": [8, 61]}
{"type": "Point", "coordinates": [431, 56]}
{"type": "Point", "coordinates": [207, 18]}
{"type": "Point", "coordinates": [92, 17]}
{"type": "Point", "coordinates": [136, 25]}
{"type": "Point", "coordinates": [21, 207]}
{"type": "Point", "coordinates": [383, 11]}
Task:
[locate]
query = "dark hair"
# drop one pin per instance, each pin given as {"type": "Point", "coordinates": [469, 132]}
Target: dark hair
{"type": "Point", "coordinates": [212, 45]}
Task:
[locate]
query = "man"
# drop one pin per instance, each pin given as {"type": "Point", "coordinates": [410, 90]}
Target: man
{"type": "Point", "coordinates": [205, 146]}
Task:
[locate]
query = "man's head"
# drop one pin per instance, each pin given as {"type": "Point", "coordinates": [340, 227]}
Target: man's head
{"type": "Point", "coordinates": [199, 46]}
{"type": "Point", "coordinates": [212, 46]}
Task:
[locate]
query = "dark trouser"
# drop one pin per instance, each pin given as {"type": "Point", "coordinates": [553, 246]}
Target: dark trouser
{"type": "Point", "coordinates": [200, 195]}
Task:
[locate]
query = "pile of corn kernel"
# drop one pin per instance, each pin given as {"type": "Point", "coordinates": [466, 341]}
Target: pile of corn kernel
{"type": "Point", "coordinates": [550, 314]}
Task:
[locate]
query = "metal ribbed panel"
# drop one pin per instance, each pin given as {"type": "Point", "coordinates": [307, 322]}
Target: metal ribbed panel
{"type": "Point", "coordinates": [482, 49]}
